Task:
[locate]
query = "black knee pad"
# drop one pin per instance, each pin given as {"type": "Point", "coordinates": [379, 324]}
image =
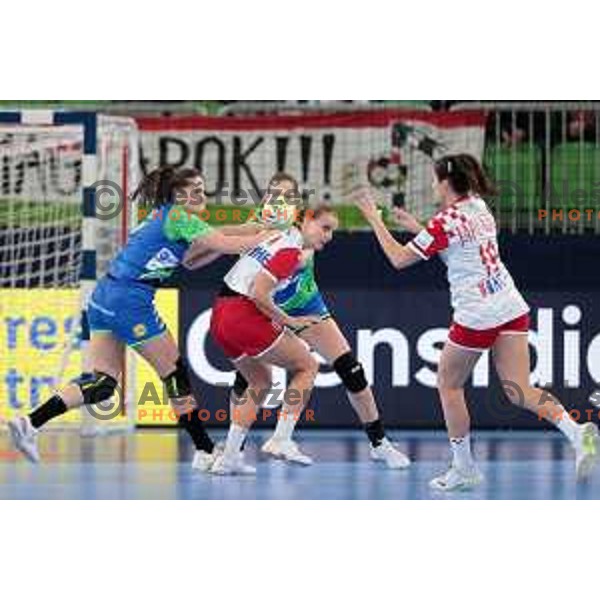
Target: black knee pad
{"type": "Point", "coordinates": [178, 383]}
{"type": "Point", "coordinates": [240, 385]}
{"type": "Point", "coordinates": [96, 387]}
{"type": "Point", "coordinates": [351, 373]}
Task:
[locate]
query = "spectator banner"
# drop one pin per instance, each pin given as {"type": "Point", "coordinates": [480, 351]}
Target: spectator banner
{"type": "Point", "coordinates": [328, 153]}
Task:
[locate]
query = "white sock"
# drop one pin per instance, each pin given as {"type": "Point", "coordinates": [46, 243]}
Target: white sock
{"type": "Point", "coordinates": [235, 438]}
{"type": "Point", "coordinates": [286, 424]}
{"type": "Point", "coordinates": [566, 424]}
{"type": "Point", "coordinates": [461, 453]}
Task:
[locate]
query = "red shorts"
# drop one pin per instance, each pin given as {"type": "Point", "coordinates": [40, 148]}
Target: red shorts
{"type": "Point", "coordinates": [240, 329]}
{"type": "Point", "coordinates": [483, 339]}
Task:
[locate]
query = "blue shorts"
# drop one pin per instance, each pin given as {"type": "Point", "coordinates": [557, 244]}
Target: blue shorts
{"type": "Point", "coordinates": [126, 310]}
{"type": "Point", "coordinates": [315, 306]}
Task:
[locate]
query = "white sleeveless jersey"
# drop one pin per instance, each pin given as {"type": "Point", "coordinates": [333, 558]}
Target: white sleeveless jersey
{"type": "Point", "coordinates": [482, 291]}
{"type": "Point", "coordinates": [280, 257]}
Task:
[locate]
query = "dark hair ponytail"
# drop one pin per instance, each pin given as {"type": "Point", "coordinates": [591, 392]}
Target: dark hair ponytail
{"type": "Point", "coordinates": [159, 187]}
{"type": "Point", "coordinates": [464, 174]}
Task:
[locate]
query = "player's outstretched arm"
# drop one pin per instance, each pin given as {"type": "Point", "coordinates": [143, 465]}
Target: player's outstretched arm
{"type": "Point", "coordinates": [244, 229]}
{"type": "Point", "coordinates": [227, 244]}
{"type": "Point", "coordinates": [399, 255]}
{"type": "Point", "coordinates": [207, 248]}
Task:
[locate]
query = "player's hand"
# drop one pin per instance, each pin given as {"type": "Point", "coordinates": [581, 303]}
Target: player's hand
{"type": "Point", "coordinates": [406, 220]}
{"type": "Point", "coordinates": [300, 323]}
{"type": "Point", "coordinates": [364, 199]}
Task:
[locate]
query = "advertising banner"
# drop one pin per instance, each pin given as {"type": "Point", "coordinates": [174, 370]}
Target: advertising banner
{"type": "Point", "coordinates": [398, 337]}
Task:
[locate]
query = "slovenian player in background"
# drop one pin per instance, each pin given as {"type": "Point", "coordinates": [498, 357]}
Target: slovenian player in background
{"type": "Point", "coordinates": [489, 311]}
{"type": "Point", "coordinates": [301, 297]}
{"type": "Point", "coordinates": [121, 309]}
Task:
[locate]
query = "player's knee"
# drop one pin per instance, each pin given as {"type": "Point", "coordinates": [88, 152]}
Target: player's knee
{"type": "Point", "coordinates": [177, 383]}
{"type": "Point", "coordinates": [255, 391]}
{"type": "Point", "coordinates": [351, 372]}
{"type": "Point", "coordinates": [440, 381]}
{"type": "Point", "coordinates": [306, 364]}
{"type": "Point", "coordinates": [262, 383]}
{"type": "Point", "coordinates": [449, 391]}
{"type": "Point", "coordinates": [96, 387]}
{"type": "Point", "coordinates": [445, 381]}
{"type": "Point", "coordinates": [310, 366]}
{"type": "Point", "coordinates": [240, 385]}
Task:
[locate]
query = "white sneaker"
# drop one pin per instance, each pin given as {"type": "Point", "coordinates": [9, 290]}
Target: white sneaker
{"type": "Point", "coordinates": [456, 480]}
{"type": "Point", "coordinates": [586, 451]}
{"type": "Point", "coordinates": [203, 461]}
{"type": "Point", "coordinates": [24, 437]}
{"type": "Point", "coordinates": [286, 450]}
{"type": "Point", "coordinates": [231, 465]}
{"type": "Point", "coordinates": [391, 456]}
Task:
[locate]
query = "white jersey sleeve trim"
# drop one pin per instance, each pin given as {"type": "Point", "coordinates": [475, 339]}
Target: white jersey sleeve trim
{"type": "Point", "coordinates": [416, 250]}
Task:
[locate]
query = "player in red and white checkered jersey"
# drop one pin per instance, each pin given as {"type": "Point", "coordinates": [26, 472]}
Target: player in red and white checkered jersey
{"type": "Point", "coordinates": [483, 293]}
{"type": "Point", "coordinates": [256, 334]}
{"type": "Point", "coordinates": [489, 311]}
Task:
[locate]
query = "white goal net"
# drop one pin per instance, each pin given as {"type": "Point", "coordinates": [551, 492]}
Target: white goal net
{"type": "Point", "coordinates": [42, 176]}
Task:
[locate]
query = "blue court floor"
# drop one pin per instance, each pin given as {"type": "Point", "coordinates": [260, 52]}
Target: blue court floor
{"type": "Point", "coordinates": [155, 465]}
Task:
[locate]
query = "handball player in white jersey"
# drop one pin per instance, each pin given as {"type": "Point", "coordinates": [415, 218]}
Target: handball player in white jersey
{"type": "Point", "coordinates": [256, 334]}
{"type": "Point", "coordinates": [489, 311]}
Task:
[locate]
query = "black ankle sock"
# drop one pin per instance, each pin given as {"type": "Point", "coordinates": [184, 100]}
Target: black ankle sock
{"type": "Point", "coordinates": [375, 432]}
{"type": "Point", "coordinates": [192, 423]}
{"type": "Point", "coordinates": [49, 410]}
